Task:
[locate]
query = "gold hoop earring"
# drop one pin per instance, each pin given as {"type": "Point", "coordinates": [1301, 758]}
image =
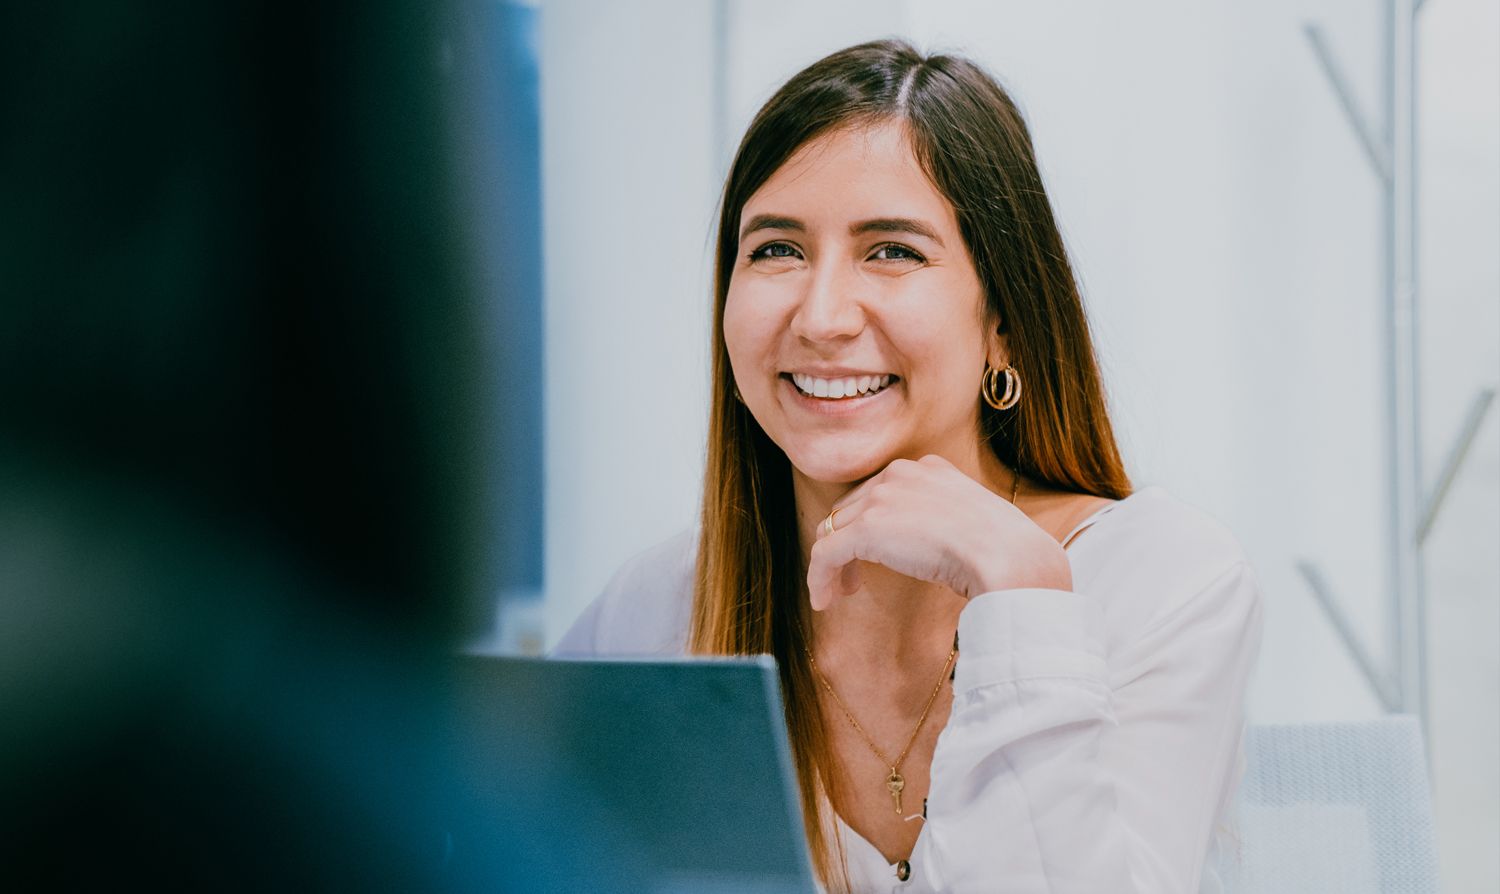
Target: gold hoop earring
{"type": "Point", "coordinates": [989, 387]}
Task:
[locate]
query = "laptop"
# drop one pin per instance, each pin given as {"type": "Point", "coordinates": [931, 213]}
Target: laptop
{"type": "Point", "coordinates": [667, 776]}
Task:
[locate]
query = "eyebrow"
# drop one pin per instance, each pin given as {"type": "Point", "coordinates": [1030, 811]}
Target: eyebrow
{"type": "Point", "coordinates": [877, 225]}
{"type": "Point", "coordinates": [895, 225]}
{"type": "Point", "coordinates": [772, 222]}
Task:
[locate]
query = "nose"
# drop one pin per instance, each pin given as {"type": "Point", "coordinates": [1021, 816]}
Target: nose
{"type": "Point", "coordinates": [830, 309]}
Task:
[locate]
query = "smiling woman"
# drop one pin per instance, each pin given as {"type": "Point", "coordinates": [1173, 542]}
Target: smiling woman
{"type": "Point", "coordinates": [852, 268]}
{"type": "Point", "coordinates": [878, 495]}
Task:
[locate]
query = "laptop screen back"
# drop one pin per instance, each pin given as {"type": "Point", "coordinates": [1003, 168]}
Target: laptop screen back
{"type": "Point", "coordinates": [663, 776]}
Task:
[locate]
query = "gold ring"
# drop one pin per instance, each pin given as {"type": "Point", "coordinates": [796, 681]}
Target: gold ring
{"type": "Point", "coordinates": [828, 522]}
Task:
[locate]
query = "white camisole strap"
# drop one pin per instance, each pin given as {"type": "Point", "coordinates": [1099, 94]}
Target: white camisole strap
{"type": "Point", "coordinates": [1087, 522]}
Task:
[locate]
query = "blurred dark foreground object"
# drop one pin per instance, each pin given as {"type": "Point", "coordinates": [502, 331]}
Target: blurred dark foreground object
{"type": "Point", "coordinates": [242, 467]}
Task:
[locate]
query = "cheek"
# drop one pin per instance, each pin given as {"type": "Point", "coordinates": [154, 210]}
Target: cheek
{"type": "Point", "coordinates": [945, 357]}
{"type": "Point", "coordinates": [736, 333]}
{"type": "Point", "coordinates": [749, 335]}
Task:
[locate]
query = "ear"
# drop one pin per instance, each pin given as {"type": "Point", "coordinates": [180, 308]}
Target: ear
{"type": "Point", "coordinates": [996, 344]}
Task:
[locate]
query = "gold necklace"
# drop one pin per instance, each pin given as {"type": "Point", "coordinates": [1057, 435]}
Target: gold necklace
{"type": "Point", "coordinates": [895, 782]}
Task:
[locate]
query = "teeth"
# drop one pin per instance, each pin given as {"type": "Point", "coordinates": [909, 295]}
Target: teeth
{"type": "Point", "coordinates": [836, 389]}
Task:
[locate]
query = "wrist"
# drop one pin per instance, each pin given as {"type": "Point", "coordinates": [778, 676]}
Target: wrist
{"type": "Point", "coordinates": [1049, 570]}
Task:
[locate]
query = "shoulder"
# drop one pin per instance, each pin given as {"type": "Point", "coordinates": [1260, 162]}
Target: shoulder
{"type": "Point", "coordinates": [1151, 553]}
{"type": "Point", "coordinates": [646, 607]}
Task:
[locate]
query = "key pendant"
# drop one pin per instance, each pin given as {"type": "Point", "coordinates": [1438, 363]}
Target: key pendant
{"type": "Point", "coordinates": [895, 783]}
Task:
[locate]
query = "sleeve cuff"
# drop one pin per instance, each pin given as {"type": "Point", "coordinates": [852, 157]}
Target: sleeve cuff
{"type": "Point", "coordinates": [1011, 635]}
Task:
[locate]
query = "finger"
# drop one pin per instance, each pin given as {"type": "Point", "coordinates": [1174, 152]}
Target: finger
{"type": "Point", "coordinates": [848, 508]}
{"type": "Point", "coordinates": [825, 568]}
{"type": "Point", "coordinates": [937, 462]}
{"type": "Point", "coordinates": [858, 492]}
{"type": "Point", "coordinates": [839, 518]}
{"type": "Point", "coordinates": [818, 595]}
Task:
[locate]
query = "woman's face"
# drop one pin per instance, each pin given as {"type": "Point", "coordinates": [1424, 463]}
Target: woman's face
{"type": "Point", "coordinates": [852, 270]}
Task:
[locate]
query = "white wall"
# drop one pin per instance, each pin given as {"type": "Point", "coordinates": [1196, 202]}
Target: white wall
{"type": "Point", "coordinates": [1226, 229]}
{"type": "Point", "coordinates": [1459, 259]}
{"type": "Point", "coordinates": [628, 185]}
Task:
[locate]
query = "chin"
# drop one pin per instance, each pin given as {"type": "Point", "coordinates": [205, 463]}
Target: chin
{"type": "Point", "coordinates": [838, 467]}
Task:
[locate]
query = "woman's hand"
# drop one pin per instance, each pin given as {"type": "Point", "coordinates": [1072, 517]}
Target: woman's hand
{"type": "Point", "coordinates": [927, 520]}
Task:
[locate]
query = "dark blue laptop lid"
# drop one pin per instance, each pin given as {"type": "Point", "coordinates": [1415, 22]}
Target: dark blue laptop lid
{"type": "Point", "coordinates": [643, 776]}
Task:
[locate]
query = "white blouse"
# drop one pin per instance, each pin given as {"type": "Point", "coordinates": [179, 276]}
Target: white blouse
{"type": "Point", "coordinates": [1095, 740]}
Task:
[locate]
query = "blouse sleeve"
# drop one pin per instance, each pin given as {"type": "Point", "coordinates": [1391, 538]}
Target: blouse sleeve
{"type": "Point", "coordinates": [1067, 766]}
{"type": "Point", "coordinates": [644, 610]}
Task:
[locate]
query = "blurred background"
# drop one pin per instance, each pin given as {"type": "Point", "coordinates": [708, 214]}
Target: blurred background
{"type": "Point", "coordinates": [1229, 229]}
{"type": "Point", "coordinates": [332, 337]}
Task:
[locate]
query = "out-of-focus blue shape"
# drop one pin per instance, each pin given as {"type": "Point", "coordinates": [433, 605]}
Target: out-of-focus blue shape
{"type": "Point", "coordinates": [498, 142]}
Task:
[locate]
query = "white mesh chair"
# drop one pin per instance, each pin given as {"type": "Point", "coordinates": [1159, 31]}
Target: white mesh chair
{"type": "Point", "coordinates": [1337, 808]}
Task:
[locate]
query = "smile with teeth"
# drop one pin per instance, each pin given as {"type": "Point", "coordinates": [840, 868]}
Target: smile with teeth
{"type": "Point", "coordinates": [839, 389]}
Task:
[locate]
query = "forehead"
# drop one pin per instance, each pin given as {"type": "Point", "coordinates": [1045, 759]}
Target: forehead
{"type": "Point", "coordinates": [855, 173]}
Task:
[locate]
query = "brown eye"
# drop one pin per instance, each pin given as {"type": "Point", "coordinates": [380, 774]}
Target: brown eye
{"type": "Point", "coordinates": [894, 252]}
{"type": "Point", "coordinates": [773, 250]}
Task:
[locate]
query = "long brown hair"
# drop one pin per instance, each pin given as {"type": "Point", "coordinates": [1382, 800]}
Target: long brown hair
{"type": "Point", "coordinates": [973, 144]}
